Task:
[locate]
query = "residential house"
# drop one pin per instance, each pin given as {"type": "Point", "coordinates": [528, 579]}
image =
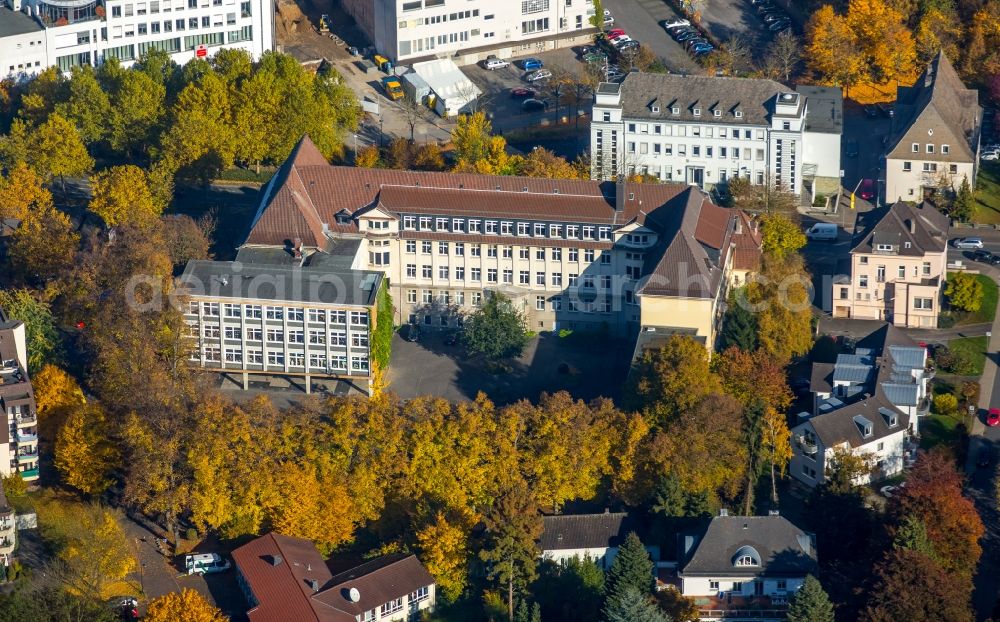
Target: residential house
{"type": "Point", "coordinates": [285, 578]}
{"type": "Point", "coordinates": [19, 436]}
{"type": "Point", "coordinates": [705, 130]}
{"type": "Point", "coordinates": [744, 567]}
{"type": "Point", "coordinates": [37, 34]}
{"type": "Point", "coordinates": [417, 30]}
{"type": "Point", "coordinates": [934, 141]}
{"type": "Point", "coordinates": [596, 536]}
{"type": "Point", "coordinates": [574, 254]}
{"type": "Point", "coordinates": [898, 262]}
{"type": "Point", "coordinates": [8, 530]}
{"type": "Point", "coordinates": [868, 403]}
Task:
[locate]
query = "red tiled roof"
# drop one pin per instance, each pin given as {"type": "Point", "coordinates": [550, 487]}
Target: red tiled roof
{"type": "Point", "coordinates": [307, 193]}
{"type": "Point", "coordinates": [747, 243]}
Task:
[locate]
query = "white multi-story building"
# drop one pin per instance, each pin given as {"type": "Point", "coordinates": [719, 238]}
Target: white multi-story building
{"type": "Point", "coordinates": [745, 567]}
{"type": "Point", "coordinates": [867, 403]}
{"type": "Point", "coordinates": [706, 130]}
{"type": "Point", "coordinates": [36, 34]}
{"type": "Point", "coordinates": [8, 530]}
{"type": "Point", "coordinates": [19, 434]}
{"type": "Point", "coordinates": [469, 30]}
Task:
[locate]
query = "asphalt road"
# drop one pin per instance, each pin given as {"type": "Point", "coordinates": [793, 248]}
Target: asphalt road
{"type": "Point", "coordinates": [641, 20]}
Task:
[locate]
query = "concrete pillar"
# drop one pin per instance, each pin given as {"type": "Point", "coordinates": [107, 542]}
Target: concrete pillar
{"type": "Point", "coordinates": [246, 381]}
{"type": "Point", "coordinates": [308, 385]}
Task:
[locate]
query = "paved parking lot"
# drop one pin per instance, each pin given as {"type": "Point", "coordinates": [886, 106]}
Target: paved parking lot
{"type": "Point", "coordinates": [869, 134]}
{"type": "Point", "coordinates": [641, 20]}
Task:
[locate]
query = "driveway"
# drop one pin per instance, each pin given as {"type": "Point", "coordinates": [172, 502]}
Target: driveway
{"type": "Point", "coordinates": [868, 133]}
{"type": "Point", "coordinates": [641, 20]}
{"type": "Point", "coordinates": [549, 363]}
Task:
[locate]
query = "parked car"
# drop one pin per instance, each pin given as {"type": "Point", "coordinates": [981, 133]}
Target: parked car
{"type": "Point", "coordinates": [770, 18]}
{"type": "Point", "coordinates": [541, 74]}
{"type": "Point", "coordinates": [867, 189]}
{"type": "Point", "coordinates": [619, 39]}
{"type": "Point", "coordinates": [206, 563]}
{"type": "Point", "coordinates": [851, 148]}
{"type": "Point", "coordinates": [993, 417]}
{"type": "Point", "coordinates": [984, 256]}
{"type": "Point", "coordinates": [778, 26]}
{"type": "Point", "coordinates": [534, 105]}
{"type": "Point", "coordinates": [521, 93]}
{"type": "Point", "coordinates": [703, 51]}
{"type": "Point", "coordinates": [677, 23]}
{"type": "Point", "coordinates": [690, 43]}
{"type": "Point", "coordinates": [888, 491]}
{"type": "Point", "coordinates": [615, 32]}
{"type": "Point", "coordinates": [595, 57]}
{"type": "Point", "coordinates": [628, 45]}
{"type": "Point", "coordinates": [967, 243]}
{"type": "Point", "coordinates": [495, 63]}
{"type": "Point", "coordinates": [990, 155]}
{"type": "Point", "coordinates": [531, 64]}
{"type": "Point", "coordinates": [886, 110]}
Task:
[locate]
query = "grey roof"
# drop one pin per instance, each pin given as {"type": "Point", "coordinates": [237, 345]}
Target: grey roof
{"type": "Point", "coordinates": [785, 550]}
{"type": "Point", "coordinates": [655, 337]}
{"type": "Point", "coordinates": [937, 102]}
{"type": "Point", "coordinates": [821, 378]}
{"type": "Point", "coordinates": [825, 112]}
{"type": "Point", "coordinates": [754, 97]}
{"type": "Point", "coordinates": [900, 394]}
{"type": "Point", "coordinates": [923, 226]}
{"type": "Point", "coordinates": [16, 23]}
{"type": "Point", "coordinates": [854, 374]}
{"type": "Point", "coordinates": [584, 531]}
{"type": "Point", "coordinates": [907, 357]}
{"type": "Point", "coordinates": [839, 426]}
{"type": "Point", "coordinates": [307, 284]}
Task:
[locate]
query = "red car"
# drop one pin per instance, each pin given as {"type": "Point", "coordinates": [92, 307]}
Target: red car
{"type": "Point", "coordinates": [521, 93]}
{"type": "Point", "coordinates": [993, 417]}
{"type": "Point", "coordinates": [615, 32]}
{"type": "Point", "coordinates": [867, 189]}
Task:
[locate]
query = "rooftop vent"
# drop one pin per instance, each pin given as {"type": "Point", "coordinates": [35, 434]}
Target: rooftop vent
{"type": "Point", "coordinates": [723, 512]}
{"type": "Point", "coordinates": [773, 513]}
{"type": "Point", "coordinates": [555, 191]}
{"type": "Point", "coordinates": [314, 584]}
{"type": "Point", "coordinates": [787, 97]}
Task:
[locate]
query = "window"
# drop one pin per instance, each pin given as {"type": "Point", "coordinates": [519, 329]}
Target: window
{"type": "Point", "coordinates": [210, 309]}
{"type": "Point", "coordinates": [458, 225]}
{"type": "Point", "coordinates": [275, 334]}
{"type": "Point", "coordinates": [254, 334]}
{"type": "Point", "coordinates": [476, 250]}
{"type": "Point", "coordinates": [524, 277]}
{"type": "Point", "coordinates": [442, 248]}
{"type": "Point", "coordinates": [930, 148]}
{"type": "Point", "coordinates": [782, 584]}
{"type": "Point", "coordinates": [338, 317]}
{"type": "Point", "coordinates": [945, 149]}
{"type": "Point", "coordinates": [574, 254]}
{"type": "Point", "coordinates": [508, 276]}
{"type": "Point", "coordinates": [863, 280]}
{"type": "Point", "coordinates": [588, 254]}
{"type": "Point", "coordinates": [411, 270]}
{"type": "Point", "coordinates": [926, 304]}
{"type": "Point", "coordinates": [233, 332]}
{"type": "Point", "coordinates": [359, 318]}
{"type": "Point", "coordinates": [925, 269]}
{"type": "Point", "coordinates": [491, 250]}
{"type": "Point", "coordinates": [426, 271]}
{"type": "Point", "coordinates": [411, 296]}
{"type": "Point", "coordinates": [460, 273]}
{"type": "Point", "coordinates": [907, 167]}
{"type": "Point", "coordinates": [557, 279]}
{"type": "Point", "coordinates": [476, 274]}
{"type": "Point", "coordinates": [540, 254]}
{"type": "Point", "coordinates": [508, 252]}
{"type": "Point", "coordinates": [359, 340]}
{"type": "Point", "coordinates": [296, 336]}
{"type": "Point", "coordinates": [915, 147]}
{"type": "Point", "coordinates": [572, 231]}
{"type": "Point", "coordinates": [506, 227]}
{"type": "Point", "coordinates": [539, 229]}
{"type": "Point", "coordinates": [442, 272]}
{"type": "Point", "coordinates": [713, 585]}
{"type": "Point", "coordinates": [491, 275]}
{"type": "Point", "coordinates": [539, 278]}
{"type": "Point", "coordinates": [556, 254]}
{"type": "Point", "coordinates": [491, 227]}
{"type": "Point", "coordinates": [409, 222]}
{"type": "Point", "coordinates": [901, 272]}
{"type": "Point", "coordinates": [319, 336]}
{"type": "Point", "coordinates": [475, 226]}
{"type": "Point", "coordinates": [540, 303]}
{"type": "Point", "coordinates": [211, 332]}
{"type": "Point", "coordinates": [441, 224]}
{"type": "Point", "coordinates": [231, 310]}
{"type": "Point", "coordinates": [746, 560]}
{"type": "Point", "coordinates": [930, 167]}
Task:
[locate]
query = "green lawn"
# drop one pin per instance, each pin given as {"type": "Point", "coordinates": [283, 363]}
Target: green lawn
{"type": "Point", "coordinates": [939, 430]}
{"type": "Point", "coordinates": [988, 193]}
{"type": "Point", "coordinates": [975, 347]}
{"type": "Point", "coordinates": [989, 307]}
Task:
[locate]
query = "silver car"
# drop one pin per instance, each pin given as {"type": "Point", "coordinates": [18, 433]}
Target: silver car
{"type": "Point", "coordinates": [968, 243]}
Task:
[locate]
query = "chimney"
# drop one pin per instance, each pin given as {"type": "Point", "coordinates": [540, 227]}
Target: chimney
{"type": "Point", "coordinates": [773, 513]}
{"type": "Point", "coordinates": [314, 584]}
{"type": "Point", "coordinates": [297, 248]}
{"type": "Point", "coordinates": [723, 512]}
{"type": "Point", "coordinates": [913, 225]}
{"type": "Point", "coordinates": [620, 193]}
{"type": "Point", "coordinates": [739, 225]}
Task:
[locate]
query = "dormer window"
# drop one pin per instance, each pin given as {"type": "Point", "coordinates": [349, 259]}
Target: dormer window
{"type": "Point", "coordinates": [883, 247]}
{"type": "Point", "coordinates": [739, 114]}
{"type": "Point", "coordinates": [697, 112]}
{"type": "Point", "coordinates": [656, 109]}
{"type": "Point", "coordinates": [746, 556]}
{"type": "Point", "coordinates": [717, 113]}
{"type": "Point", "coordinates": [864, 426]}
{"type": "Point", "coordinates": [675, 110]}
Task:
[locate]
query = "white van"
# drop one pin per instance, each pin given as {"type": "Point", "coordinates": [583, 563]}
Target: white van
{"type": "Point", "coordinates": [495, 63]}
{"type": "Point", "coordinates": [205, 563]}
{"type": "Point", "coordinates": [822, 231]}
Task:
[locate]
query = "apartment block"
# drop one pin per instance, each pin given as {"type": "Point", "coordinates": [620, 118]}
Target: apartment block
{"type": "Point", "coordinates": [8, 530]}
{"type": "Point", "coordinates": [570, 254]}
{"type": "Point", "coordinates": [467, 31]}
{"type": "Point", "coordinates": [934, 142]}
{"type": "Point", "coordinates": [19, 436]}
{"type": "Point", "coordinates": [869, 403]}
{"type": "Point", "coordinates": [705, 130]}
{"type": "Point", "coordinates": [898, 264]}
{"type": "Point", "coordinates": [36, 34]}
{"type": "Point", "coordinates": [283, 314]}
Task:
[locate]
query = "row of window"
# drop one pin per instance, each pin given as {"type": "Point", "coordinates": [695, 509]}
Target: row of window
{"type": "Point", "coordinates": [555, 303]}
{"type": "Point", "coordinates": [523, 276]}
{"type": "Point", "coordinates": [697, 130]}
{"type": "Point", "coordinates": [929, 167]}
{"type": "Point", "coordinates": [781, 584]}
{"type": "Point", "coordinates": [154, 6]}
{"type": "Point", "coordinates": [277, 335]}
{"type": "Point", "coordinates": [492, 250]}
{"type": "Point", "coordinates": [293, 314]}
{"type": "Point", "coordinates": [180, 25]}
{"type": "Point", "coordinates": [505, 227]}
{"type": "Point", "coordinates": [929, 148]}
{"type": "Point", "coordinates": [250, 356]}
{"type": "Point", "coordinates": [667, 149]}
{"type": "Point", "coordinates": [900, 273]}
{"type": "Point", "coordinates": [440, 19]}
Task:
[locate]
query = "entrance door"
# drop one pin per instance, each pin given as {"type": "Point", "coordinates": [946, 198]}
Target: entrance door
{"type": "Point", "coordinates": [696, 176]}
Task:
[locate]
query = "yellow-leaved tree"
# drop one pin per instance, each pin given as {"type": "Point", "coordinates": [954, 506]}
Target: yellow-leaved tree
{"type": "Point", "coordinates": [122, 196]}
{"type": "Point", "coordinates": [311, 509]}
{"type": "Point", "coordinates": [21, 191]}
{"type": "Point", "coordinates": [85, 454]}
{"type": "Point", "coordinates": [444, 550]}
{"type": "Point", "coordinates": [184, 606]}
{"type": "Point", "coordinates": [776, 446]}
{"type": "Point", "coordinates": [831, 49]}
{"type": "Point", "coordinates": [56, 392]}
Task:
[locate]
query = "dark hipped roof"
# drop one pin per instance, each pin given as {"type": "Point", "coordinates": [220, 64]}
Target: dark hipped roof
{"type": "Point", "coordinates": [284, 591]}
{"type": "Point", "coordinates": [306, 284]}
{"type": "Point", "coordinates": [890, 224]}
{"type": "Point", "coordinates": [305, 196]}
{"type": "Point", "coordinates": [378, 581]}
{"type": "Point", "coordinates": [939, 102]}
{"type": "Point", "coordinates": [752, 96]}
{"type": "Point", "coordinates": [784, 549]}
{"type": "Point", "coordinates": [584, 531]}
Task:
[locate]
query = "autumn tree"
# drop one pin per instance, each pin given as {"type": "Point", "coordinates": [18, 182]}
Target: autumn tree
{"type": "Point", "coordinates": [43, 342]}
{"type": "Point", "coordinates": [185, 606]}
{"type": "Point", "coordinates": [541, 162]}
{"type": "Point", "coordinates": [368, 156]}
{"type": "Point", "coordinates": [513, 526]}
{"type": "Point", "coordinates": [781, 298]}
{"type": "Point", "coordinates": [121, 195]}
{"type": "Point", "coordinates": [781, 236]}
{"type": "Point", "coordinates": [138, 108]}
{"type": "Point", "coordinates": [964, 291]}
{"type": "Point", "coordinates": [933, 494]}
{"type": "Point", "coordinates": [44, 246]}
{"type": "Point", "coordinates": [776, 446]}
{"type": "Point", "coordinates": [56, 395]}
{"type": "Point", "coordinates": [753, 375]}
{"type": "Point", "coordinates": [444, 551]}
{"type": "Point", "coordinates": [910, 586]}
{"type": "Point", "coordinates": [21, 192]}
{"type": "Point", "coordinates": [428, 157]}
{"type": "Point", "coordinates": [810, 603]}
{"type": "Point", "coordinates": [85, 454]}
{"type": "Point", "coordinates": [57, 151]}
{"type": "Point", "coordinates": [671, 379]}
{"type": "Point", "coordinates": [471, 137]}
{"type": "Point", "coordinates": [87, 106]}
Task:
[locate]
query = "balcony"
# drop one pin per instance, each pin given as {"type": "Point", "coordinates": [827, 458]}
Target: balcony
{"type": "Point", "coordinates": [808, 446]}
{"type": "Point", "coordinates": [25, 437]}
{"type": "Point", "coordinates": [28, 456]}
{"type": "Point", "coordinates": [26, 420]}
{"type": "Point", "coordinates": [742, 607]}
{"type": "Point", "coordinates": [6, 546]}
{"type": "Point", "coordinates": [30, 475]}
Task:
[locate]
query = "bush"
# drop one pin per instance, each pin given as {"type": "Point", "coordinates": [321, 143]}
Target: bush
{"type": "Point", "coordinates": [191, 534]}
{"type": "Point", "coordinates": [564, 332]}
{"type": "Point", "coordinates": [964, 292]}
{"type": "Point", "coordinates": [945, 404]}
{"type": "Point", "coordinates": [958, 362]}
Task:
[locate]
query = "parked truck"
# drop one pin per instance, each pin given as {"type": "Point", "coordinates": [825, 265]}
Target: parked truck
{"type": "Point", "coordinates": [392, 87]}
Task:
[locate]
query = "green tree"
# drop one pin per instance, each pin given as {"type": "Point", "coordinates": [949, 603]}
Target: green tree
{"type": "Point", "coordinates": [912, 534]}
{"type": "Point", "coordinates": [471, 137]}
{"type": "Point", "coordinates": [964, 203]}
{"type": "Point", "coordinates": [137, 112]}
{"type": "Point", "coordinates": [121, 196]}
{"type": "Point", "coordinates": [201, 139]}
{"type": "Point", "coordinates": [43, 342]}
{"type": "Point", "coordinates": [632, 568]}
{"type": "Point", "coordinates": [810, 603]}
{"type": "Point", "coordinates": [88, 106]}
{"type": "Point", "coordinates": [496, 329]}
{"type": "Point", "coordinates": [512, 527]}
{"type": "Point", "coordinates": [781, 235]}
{"type": "Point", "coordinates": [632, 605]}
{"type": "Point", "coordinates": [58, 151]}
{"type": "Point", "coordinates": [739, 326]}
{"type": "Point", "coordinates": [964, 292]}
{"type": "Point", "coordinates": [528, 612]}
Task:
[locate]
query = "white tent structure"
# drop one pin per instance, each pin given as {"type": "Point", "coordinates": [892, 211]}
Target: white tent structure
{"type": "Point", "coordinates": [453, 91]}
